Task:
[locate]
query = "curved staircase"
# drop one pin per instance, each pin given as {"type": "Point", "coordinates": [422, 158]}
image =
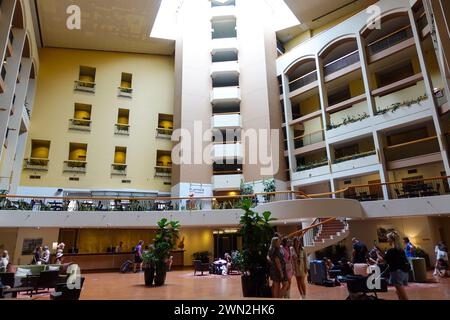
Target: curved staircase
{"type": "Point", "coordinates": [322, 233]}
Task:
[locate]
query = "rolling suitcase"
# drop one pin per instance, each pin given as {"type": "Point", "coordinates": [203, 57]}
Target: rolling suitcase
{"type": "Point", "coordinates": [318, 272]}
{"type": "Point", "coordinates": [126, 266]}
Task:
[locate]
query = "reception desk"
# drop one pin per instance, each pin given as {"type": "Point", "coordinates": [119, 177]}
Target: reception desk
{"type": "Point", "coordinates": [111, 261]}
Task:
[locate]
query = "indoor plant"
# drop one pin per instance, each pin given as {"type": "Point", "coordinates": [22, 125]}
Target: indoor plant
{"type": "Point", "coordinates": [256, 233]}
{"type": "Point", "coordinates": [165, 239]}
{"type": "Point", "coordinates": [269, 187]}
{"type": "Point", "coordinates": [149, 262]}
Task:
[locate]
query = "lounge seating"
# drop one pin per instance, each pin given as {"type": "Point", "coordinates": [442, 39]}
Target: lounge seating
{"type": "Point", "coordinates": [63, 292]}
{"type": "Point", "coordinates": [45, 280]}
{"type": "Point", "coordinates": [7, 279]}
{"type": "Point", "coordinates": [200, 266]}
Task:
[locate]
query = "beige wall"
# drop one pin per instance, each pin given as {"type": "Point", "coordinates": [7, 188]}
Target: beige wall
{"type": "Point", "coordinates": [153, 84]}
{"type": "Point", "coordinates": [49, 235]}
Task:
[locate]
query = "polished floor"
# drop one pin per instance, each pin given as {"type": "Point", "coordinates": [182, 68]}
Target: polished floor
{"type": "Point", "coordinates": [184, 285]}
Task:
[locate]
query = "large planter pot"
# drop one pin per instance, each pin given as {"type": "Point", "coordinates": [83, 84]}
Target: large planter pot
{"type": "Point", "coordinates": [160, 277]}
{"type": "Point", "coordinates": [255, 285]}
{"type": "Point", "coordinates": [149, 276]}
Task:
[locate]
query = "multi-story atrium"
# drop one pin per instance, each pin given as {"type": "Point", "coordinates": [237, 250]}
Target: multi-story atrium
{"type": "Point", "coordinates": [141, 136]}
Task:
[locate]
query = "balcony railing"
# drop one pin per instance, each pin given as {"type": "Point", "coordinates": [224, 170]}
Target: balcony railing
{"type": "Point", "coordinates": [312, 165]}
{"type": "Point", "coordinates": [302, 81]}
{"type": "Point", "coordinates": [36, 164]}
{"type": "Point", "coordinates": [341, 63]}
{"type": "Point", "coordinates": [55, 203]}
{"type": "Point", "coordinates": [308, 139]}
{"type": "Point", "coordinates": [226, 94]}
{"type": "Point", "coordinates": [85, 86]}
{"type": "Point", "coordinates": [425, 187]}
{"type": "Point", "coordinates": [75, 166]}
{"type": "Point", "coordinates": [163, 171]}
{"type": "Point", "coordinates": [227, 120]}
{"type": "Point", "coordinates": [390, 40]}
{"type": "Point", "coordinates": [164, 133]}
{"type": "Point", "coordinates": [355, 156]}
{"type": "Point", "coordinates": [119, 169]}
{"type": "Point", "coordinates": [411, 149]}
{"type": "Point", "coordinates": [227, 181]}
{"type": "Point", "coordinates": [125, 92]}
{"type": "Point", "coordinates": [123, 129]}
{"type": "Point", "coordinates": [80, 124]}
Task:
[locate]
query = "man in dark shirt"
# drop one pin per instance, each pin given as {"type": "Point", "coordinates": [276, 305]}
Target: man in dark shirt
{"type": "Point", "coordinates": [359, 251]}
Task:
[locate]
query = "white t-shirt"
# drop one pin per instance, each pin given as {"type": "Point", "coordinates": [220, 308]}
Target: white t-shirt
{"type": "Point", "coordinates": [440, 254]}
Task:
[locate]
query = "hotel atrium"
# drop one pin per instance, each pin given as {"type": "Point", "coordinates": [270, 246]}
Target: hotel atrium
{"type": "Point", "coordinates": [117, 115]}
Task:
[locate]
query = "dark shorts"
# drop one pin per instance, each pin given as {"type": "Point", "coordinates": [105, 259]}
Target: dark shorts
{"type": "Point", "coordinates": [398, 278]}
{"type": "Point", "coordinates": [137, 259]}
{"type": "Point", "coordinates": [277, 276]}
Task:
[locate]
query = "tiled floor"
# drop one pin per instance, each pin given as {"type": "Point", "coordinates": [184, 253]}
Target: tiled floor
{"type": "Point", "coordinates": [183, 285]}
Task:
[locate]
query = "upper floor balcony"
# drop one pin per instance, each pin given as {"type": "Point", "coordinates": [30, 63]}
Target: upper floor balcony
{"type": "Point", "coordinates": [225, 151]}
{"type": "Point", "coordinates": [80, 124]}
{"type": "Point", "coordinates": [85, 86]}
{"type": "Point", "coordinates": [163, 171]}
{"type": "Point", "coordinates": [340, 58]}
{"type": "Point", "coordinates": [309, 142]}
{"type": "Point", "coordinates": [227, 181]}
{"type": "Point", "coordinates": [412, 153]}
{"type": "Point", "coordinates": [226, 95]}
{"type": "Point", "coordinates": [119, 169]}
{"type": "Point", "coordinates": [223, 11]}
{"type": "Point", "coordinates": [86, 80]}
{"type": "Point", "coordinates": [355, 161]}
{"type": "Point", "coordinates": [75, 166]}
{"type": "Point", "coordinates": [225, 68]}
{"type": "Point", "coordinates": [394, 36]}
{"type": "Point", "coordinates": [224, 45]}
{"type": "Point", "coordinates": [226, 120]}
{"type": "Point", "coordinates": [302, 76]}
{"type": "Point", "coordinates": [36, 164]}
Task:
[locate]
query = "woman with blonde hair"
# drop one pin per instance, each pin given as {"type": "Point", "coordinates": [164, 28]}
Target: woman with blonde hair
{"type": "Point", "coordinates": [299, 263]}
{"type": "Point", "coordinates": [398, 264]}
{"type": "Point", "coordinates": [277, 269]}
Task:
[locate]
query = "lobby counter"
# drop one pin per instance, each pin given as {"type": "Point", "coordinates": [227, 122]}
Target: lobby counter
{"type": "Point", "coordinates": [111, 261]}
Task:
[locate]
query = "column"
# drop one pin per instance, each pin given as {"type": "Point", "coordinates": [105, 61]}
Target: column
{"type": "Point", "coordinates": [372, 109]}
{"type": "Point", "coordinates": [323, 96]}
{"type": "Point", "coordinates": [12, 69]}
{"type": "Point", "coordinates": [430, 93]}
{"type": "Point", "coordinates": [14, 124]}
{"type": "Point", "coordinates": [289, 130]}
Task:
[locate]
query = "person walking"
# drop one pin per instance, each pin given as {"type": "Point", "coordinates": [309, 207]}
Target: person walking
{"type": "Point", "coordinates": [286, 250]}
{"type": "Point", "coordinates": [277, 269]}
{"type": "Point", "coordinates": [138, 256]}
{"type": "Point", "coordinates": [299, 263]}
{"type": "Point", "coordinates": [398, 265]}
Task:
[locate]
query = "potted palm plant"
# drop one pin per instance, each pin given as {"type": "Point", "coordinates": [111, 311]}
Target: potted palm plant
{"type": "Point", "coordinates": [166, 237]}
{"type": "Point", "coordinates": [256, 232]}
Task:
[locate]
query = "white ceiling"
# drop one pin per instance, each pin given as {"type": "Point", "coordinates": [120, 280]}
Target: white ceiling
{"type": "Point", "coordinates": [316, 13]}
{"type": "Point", "coordinates": [107, 25]}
